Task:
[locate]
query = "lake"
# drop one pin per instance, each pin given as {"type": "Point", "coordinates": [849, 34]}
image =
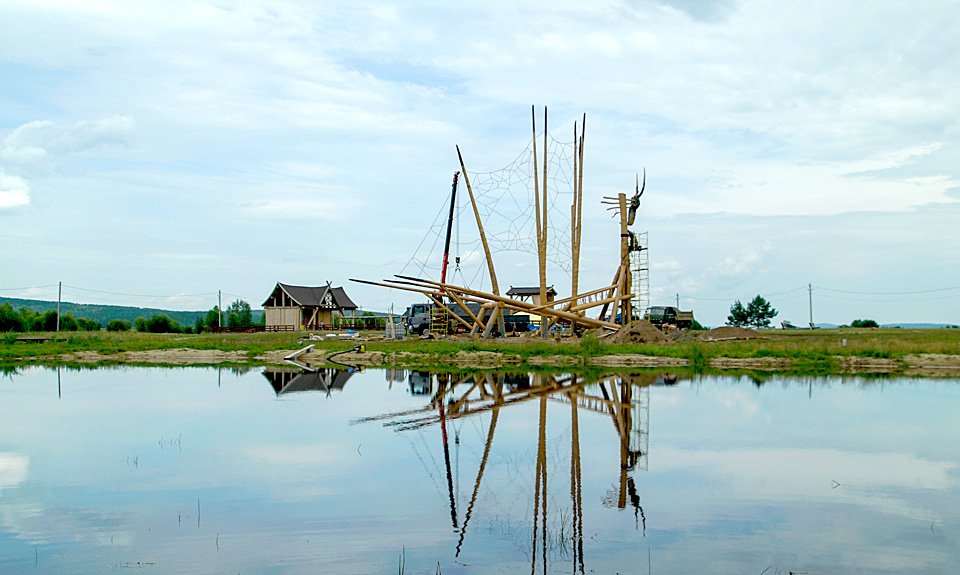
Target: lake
{"type": "Point", "coordinates": [280, 471]}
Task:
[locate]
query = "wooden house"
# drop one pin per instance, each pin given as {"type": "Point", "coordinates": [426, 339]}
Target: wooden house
{"type": "Point", "coordinates": [299, 308]}
{"type": "Point", "coordinates": [285, 380]}
{"type": "Point", "coordinates": [532, 295]}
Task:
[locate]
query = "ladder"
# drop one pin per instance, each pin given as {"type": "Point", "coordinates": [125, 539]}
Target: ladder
{"type": "Point", "coordinates": [439, 325]}
{"type": "Point", "coordinates": [640, 273]}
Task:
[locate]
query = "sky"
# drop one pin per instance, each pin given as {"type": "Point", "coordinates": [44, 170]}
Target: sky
{"type": "Point", "coordinates": [155, 153]}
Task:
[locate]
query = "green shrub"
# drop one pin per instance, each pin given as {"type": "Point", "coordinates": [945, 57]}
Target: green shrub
{"type": "Point", "coordinates": [160, 323]}
{"type": "Point", "coordinates": [590, 345]}
{"type": "Point", "coordinates": [118, 325]}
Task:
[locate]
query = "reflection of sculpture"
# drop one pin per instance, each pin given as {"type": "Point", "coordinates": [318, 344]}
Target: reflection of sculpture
{"type": "Point", "coordinates": [625, 399]}
{"type": "Point", "coordinates": [294, 380]}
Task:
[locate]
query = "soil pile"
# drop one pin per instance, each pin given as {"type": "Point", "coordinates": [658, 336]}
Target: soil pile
{"type": "Point", "coordinates": [682, 335]}
{"type": "Point", "coordinates": [728, 332]}
{"type": "Point", "coordinates": [639, 331]}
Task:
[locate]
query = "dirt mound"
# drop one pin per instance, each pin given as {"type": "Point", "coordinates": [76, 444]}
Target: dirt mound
{"type": "Point", "coordinates": [639, 331]}
{"type": "Point", "coordinates": [728, 332]}
{"type": "Point", "coordinates": [682, 335]}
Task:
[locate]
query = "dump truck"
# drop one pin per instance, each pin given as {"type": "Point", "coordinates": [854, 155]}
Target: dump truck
{"type": "Point", "coordinates": [416, 318]}
{"type": "Point", "coordinates": [661, 315]}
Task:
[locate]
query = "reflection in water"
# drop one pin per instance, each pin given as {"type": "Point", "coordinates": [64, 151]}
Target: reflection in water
{"type": "Point", "coordinates": [109, 469]}
{"type": "Point", "coordinates": [625, 400]}
{"type": "Point", "coordinates": [292, 380]}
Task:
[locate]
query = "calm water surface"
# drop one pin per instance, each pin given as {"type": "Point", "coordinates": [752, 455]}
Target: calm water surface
{"type": "Point", "coordinates": [277, 471]}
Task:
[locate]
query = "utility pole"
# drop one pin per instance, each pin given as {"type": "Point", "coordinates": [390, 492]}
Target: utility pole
{"type": "Point", "coordinates": [59, 297]}
{"type": "Point", "coordinates": [219, 309]}
{"type": "Point", "coordinates": [810, 293]}
{"type": "Point", "coordinates": [678, 301]}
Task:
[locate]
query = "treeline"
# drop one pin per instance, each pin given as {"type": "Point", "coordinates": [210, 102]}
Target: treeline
{"type": "Point", "coordinates": [237, 315]}
{"type": "Point", "coordinates": [28, 320]}
{"type": "Point", "coordinates": [104, 313]}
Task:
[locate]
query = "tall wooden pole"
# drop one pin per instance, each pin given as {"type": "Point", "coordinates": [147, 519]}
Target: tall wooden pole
{"type": "Point", "coordinates": [575, 269]}
{"type": "Point", "coordinates": [495, 286]}
{"type": "Point", "coordinates": [542, 243]}
{"type": "Point", "coordinates": [576, 212]}
{"type": "Point", "coordinates": [542, 246]}
{"type": "Point", "coordinates": [536, 178]}
{"type": "Point", "coordinates": [583, 136]}
{"type": "Point", "coordinates": [626, 306]}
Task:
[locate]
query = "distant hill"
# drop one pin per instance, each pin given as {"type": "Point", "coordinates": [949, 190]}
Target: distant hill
{"type": "Point", "coordinates": [919, 325]}
{"type": "Point", "coordinates": [105, 313]}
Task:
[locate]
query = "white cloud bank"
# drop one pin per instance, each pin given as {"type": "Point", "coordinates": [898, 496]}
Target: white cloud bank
{"type": "Point", "coordinates": [14, 192]}
{"type": "Point", "coordinates": [32, 143]}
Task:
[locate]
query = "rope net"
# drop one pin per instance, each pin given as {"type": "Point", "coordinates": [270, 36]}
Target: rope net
{"type": "Point", "coordinates": [506, 202]}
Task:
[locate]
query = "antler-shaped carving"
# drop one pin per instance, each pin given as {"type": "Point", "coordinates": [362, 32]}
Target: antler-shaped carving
{"type": "Point", "coordinates": [635, 200]}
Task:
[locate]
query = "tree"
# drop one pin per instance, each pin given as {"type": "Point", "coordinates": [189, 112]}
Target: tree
{"type": "Point", "coordinates": [9, 319]}
{"type": "Point", "coordinates": [864, 323]}
{"type": "Point", "coordinates": [757, 313]}
{"type": "Point", "coordinates": [738, 315]}
{"type": "Point", "coordinates": [212, 319]}
{"type": "Point", "coordinates": [239, 314]}
{"type": "Point", "coordinates": [46, 321]}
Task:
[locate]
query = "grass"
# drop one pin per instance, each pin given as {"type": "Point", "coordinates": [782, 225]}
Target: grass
{"type": "Point", "coordinates": [809, 349]}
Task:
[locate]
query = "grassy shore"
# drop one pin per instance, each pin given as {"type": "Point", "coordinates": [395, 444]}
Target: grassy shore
{"type": "Point", "coordinates": [808, 351]}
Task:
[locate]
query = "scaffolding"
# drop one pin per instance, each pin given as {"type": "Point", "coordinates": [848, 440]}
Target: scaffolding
{"type": "Point", "coordinates": [640, 272]}
{"type": "Point", "coordinates": [439, 324]}
{"type": "Point", "coordinates": [640, 430]}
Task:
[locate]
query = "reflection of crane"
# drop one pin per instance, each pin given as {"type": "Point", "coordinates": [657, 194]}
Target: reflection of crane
{"type": "Point", "coordinates": [625, 399]}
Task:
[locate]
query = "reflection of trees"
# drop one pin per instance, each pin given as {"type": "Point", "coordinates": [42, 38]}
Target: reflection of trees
{"type": "Point", "coordinates": [623, 399]}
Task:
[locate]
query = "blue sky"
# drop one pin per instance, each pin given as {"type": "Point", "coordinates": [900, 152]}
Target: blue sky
{"type": "Point", "coordinates": [162, 151]}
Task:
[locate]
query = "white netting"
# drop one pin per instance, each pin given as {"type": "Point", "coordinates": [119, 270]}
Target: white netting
{"type": "Point", "coordinates": [505, 200]}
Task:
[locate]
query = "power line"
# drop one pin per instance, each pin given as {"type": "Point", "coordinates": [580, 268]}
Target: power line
{"type": "Point", "coordinates": [767, 295]}
{"type": "Point", "coordinates": [840, 291]}
{"type": "Point", "coordinates": [860, 299]}
{"type": "Point", "coordinates": [28, 288]}
{"type": "Point", "coordinates": [890, 293]}
{"type": "Point", "coordinates": [139, 294]}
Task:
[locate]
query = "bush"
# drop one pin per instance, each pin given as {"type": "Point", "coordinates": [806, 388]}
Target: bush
{"type": "Point", "coordinates": [88, 324]}
{"type": "Point", "coordinates": [160, 323]}
{"type": "Point", "coordinates": [118, 325]}
{"type": "Point", "coordinates": [46, 321]}
{"type": "Point", "coordinates": [9, 319]}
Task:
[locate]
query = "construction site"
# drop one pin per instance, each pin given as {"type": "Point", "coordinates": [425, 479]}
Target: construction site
{"type": "Point", "coordinates": [534, 208]}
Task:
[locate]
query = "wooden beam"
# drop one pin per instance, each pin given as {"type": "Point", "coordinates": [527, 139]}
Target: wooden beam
{"type": "Point", "coordinates": [513, 303]}
{"type": "Point", "coordinates": [483, 236]}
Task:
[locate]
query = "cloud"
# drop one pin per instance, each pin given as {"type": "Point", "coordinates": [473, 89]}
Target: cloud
{"type": "Point", "coordinates": [741, 264]}
{"type": "Point", "coordinates": [13, 469]}
{"type": "Point", "coordinates": [14, 192]}
{"type": "Point", "coordinates": [296, 208]}
{"type": "Point", "coordinates": [809, 474]}
{"type": "Point", "coordinates": [33, 142]}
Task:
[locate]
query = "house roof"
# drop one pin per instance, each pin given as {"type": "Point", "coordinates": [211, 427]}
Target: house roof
{"type": "Point", "coordinates": [530, 291]}
{"type": "Point", "coordinates": [287, 381]}
{"type": "Point", "coordinates": [313, 296]}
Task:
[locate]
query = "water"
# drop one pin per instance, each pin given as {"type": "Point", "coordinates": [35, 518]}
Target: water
{"type": "Point", "coordinates": [192, 470]}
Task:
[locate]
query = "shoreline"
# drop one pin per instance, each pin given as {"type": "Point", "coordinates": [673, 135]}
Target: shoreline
{"type": "Point", "coordinates": [918, 365]}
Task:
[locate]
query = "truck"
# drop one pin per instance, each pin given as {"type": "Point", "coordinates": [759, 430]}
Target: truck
{"type": "Point", "coordinates": [416, 318]}
{"type": "Point", "coordinates": [661, 315]}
